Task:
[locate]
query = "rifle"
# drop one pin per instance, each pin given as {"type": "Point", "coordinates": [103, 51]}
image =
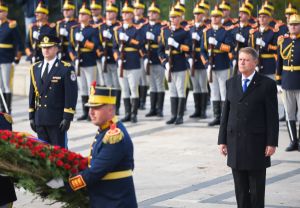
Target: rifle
{"type": "Point", "coordinates": [211, 61]}
{"type": "Point", "coordinates": [60, 52]}
{"type": "Point", "coordinates": [194, 55]}
{"type": "Point", "coordinates": [104, 43]}
{"type": "Point", "coordinates": [34, 47]}
{"type": "Point", "coordinates": [148, 55]}
{"type": "Point", "coordinates": [237, 48]}
{"type": "Point", "coordinates": [77, 60]}
{"type": "Point", "coordinates": [258, 48]}
{"type": "Point", "coordinates": [122, 57]}
{"type": "Point", "coordinates": [170, 60]}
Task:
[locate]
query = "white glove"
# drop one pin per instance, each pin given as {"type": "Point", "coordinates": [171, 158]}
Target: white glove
{"type": "Point", "coordinates": [102, 60]}
{"type": "Point", "coordinates": [119, 62]}
{"type": "Point", "coordinates": [212, 40]}
{"type": "Point", "coordinates": [36, 35]}
{"type": "Point", "coordinates": [150, 36]}
{"type": "Point", "coordinates": [172, 42]}
{"type": "Point", "coordinates": [195, 36]}
{"type": "Point", "coordinates": [208, 70]}
{"type": "Point", "coordinates": [63, 32]}
{"type": "Point", "coordinates": [260, 42]}
{"type": "Point", "coordinates": [279, 89]}
{"type": "Point", "coordinates": [167, 66]}
{"type": "Point", "coordinates": [257, 69]}
{"type": "Point", "coordinates": [190, 60]}
{"type": "Point", "coordinates": [79, 37]}
{"type": "Point", "coordinates": [146, 61]}
{"type": "Point", "coordinates": [123, 37]}
{"type": "Point", "coordinates": [55, 183]}
{"type": "Point", "coordinates": [234, 63]}
{"type": "Point", "coordinates": [107, 34]}
{"type": "Point", "coordinates": [240, 38]}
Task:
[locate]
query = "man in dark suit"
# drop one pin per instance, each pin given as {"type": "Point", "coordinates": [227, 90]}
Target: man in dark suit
{"type": "Point", "coordinates": [249, 129]}
{"type": "Point", "coordinates": [52, 95]}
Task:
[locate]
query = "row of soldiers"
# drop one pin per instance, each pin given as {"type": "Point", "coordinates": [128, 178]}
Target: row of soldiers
{"type": "Point", "coordinates": [137, 51]}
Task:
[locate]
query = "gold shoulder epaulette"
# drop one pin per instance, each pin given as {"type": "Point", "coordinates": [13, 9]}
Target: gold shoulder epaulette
{"type": "Point", "coordinates": [207, 28]}
{"type": "Point", "coordinates": [12, 23]}
{"type": "Point", "coordinates": [66, 64]}
{"type": "Point", "coordinates": [36, 63]}
{"type": "Point", "coordinates": [113, 135]}
{"type": "Point", "coordinates": [252, 30]}
{"type": "Point", "coordinates": [117, 27]}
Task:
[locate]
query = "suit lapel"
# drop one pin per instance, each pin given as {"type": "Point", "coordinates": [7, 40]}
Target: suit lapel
{"type": "Point", "coordinates": [37, 76]}
{"type": "Point", "coordinates": [52, 72]}
{"type": "Point", "coordinates": [253, 84]}
{"type": "Point", "coordinates": [238, 86]}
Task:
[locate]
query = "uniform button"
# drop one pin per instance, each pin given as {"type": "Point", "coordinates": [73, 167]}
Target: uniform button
{"type": "Point", "coordinates": [45, 106]}
{"type": "Point", "coordinates": [50, 88]}
{"type": "Point", "coordinates": [46, 96]}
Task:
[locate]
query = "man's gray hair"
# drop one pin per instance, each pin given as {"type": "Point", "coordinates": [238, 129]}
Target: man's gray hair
{"type": "Point", "coordinates": [250, 51]}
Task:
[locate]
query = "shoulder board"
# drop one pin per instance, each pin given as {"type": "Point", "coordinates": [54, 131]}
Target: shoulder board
{"type": "Point", "coordinates": [72, 27]}
{"type": "Point", "coordinates": [275, 29]}
{"type": "Point", "coordinates": [12, 23]}
{"type": "Point", "coordinates": [117, 27]}
{"type": "Point", "coordinates": [36, 63]}
{"type": "Point", "coordinates": [280, 40]}
{"type": "Point", "coordinates": [207, 28]}
{"type": "Point", "coordinates": [59, 21]}
{"type": "Point", "coordinates": [234, 20]}
{"type": "Point", "coordinates": [231, 27]}
{"type": "Point", "coordinates": [95, 25]}
{"type": "Point", "coordinates": [164, 23]}
{"type": "Point", "coordinates": [113, 135]}
{"type": "Point", "coordinates": [66, 64]}
{"type": "Point", "coordinates": [52, 25]}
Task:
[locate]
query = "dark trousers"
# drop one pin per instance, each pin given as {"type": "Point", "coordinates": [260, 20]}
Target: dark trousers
{"type": "Point", "coordinates": [53, 135]}
{"type": "Point", "coordinates": [7, 191]}
{"type": "Point", "coordinates": [250, 188]}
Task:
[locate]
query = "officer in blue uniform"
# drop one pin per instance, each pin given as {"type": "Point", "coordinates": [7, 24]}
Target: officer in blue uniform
{"type": "Point", "coordinates": [249, 4]}
{"type": "Point", "coordinates": [109, 65]}
{"type": "Point", "coordinates": [174, 46]}
{"type": "Point", "coordinates": [52, 95]}
{"type": "Point", "coordinates": [11, 48]}
{"type": "Point", "coordinates": [155, 72]}
{"type": "Point", "coordinates": [216, 44]}
{"type": "Point", "coordinates": [198, 73]}
{"type": "Point", "coordinates": [227, 21]}
{"type": "Point", "coordinates": [204, 4]}
{"type": "Point", "coordinates": [40, 27]}
{"type": "Point", "coordinates": [288, 76]}
{"type": "Point", "coordinates": [84, 49]}
{"type": "Point", "coordinates": [108, 178]}
{"type": "Point", "coordinates": [7, 190]}
{"type": "Point", "coordinates": [281, 27]}
{"type": "Point", "coordinates": [63, 28]}
{"type": "Point", "coordinates": [264, 40]}
{"type": "Point", "coordinates": [127, 45]}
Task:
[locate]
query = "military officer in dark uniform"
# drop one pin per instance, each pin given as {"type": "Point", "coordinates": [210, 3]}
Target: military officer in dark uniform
{"type": "Point", "coordinates": [216, 44]}
{"type": "Point", "coordinates": [40, 27]}
{"type": "Point", "coordinates": [249, 4]}
{"type": "Point", "coordinates": [198, 73]}
{"type": "Point", "coordinates": [7, 190]}
{"type": "Point", "coordinates": [84, 48]}
{"type": "Point", "coordinates": [52, 95]}
{"type": "Point", "coordinates": [288, 76]}
{"type": "Point", "coordinates": [127, 45]}
{"type": "Point", "coordinates": [63, 28]}
{"type": "Point", "coordinates": [227, 21]}
{"type": "Point", "coordinates": [108, 63]}
{"type": "Point", "coordinates": [139, 20]}
{"type": "Point", "coordinates": [205, 5]}
{"type": "Point", "coordinates": [264, 40]}
{"type": "Point", "coordinates": [174, 46]}
{"type": "Point", "coordinates": [152, 66]}
{"type": "Point", "coordinates": [11, 48]}
{"type": "Point", "coordinates": [281, 27]}
{"type": "Point", "coordinates": [108, 178]}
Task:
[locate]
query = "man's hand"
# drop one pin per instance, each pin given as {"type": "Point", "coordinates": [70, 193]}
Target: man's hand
{"type": "Point", "coordinates": [195, 36]}
{"type": "Point", "coordinates": [150, 36]}
{"type": "Point", "coordinates": [212, 41]}
{"type": "Point", "coordinates": [64, 125]}
{"type": "Point", "coordinates": [32, 125]}
{"type": "Point", "coordinates": [279, 89]}
{"type": "Point", "coordinates": [270, 150]}
{"type": "Point", "coordinates": [223, 149]}
{"type": "Point", "coordinates": [107, 34]}
{"type": "Point", "coordinates": [124, 37]}
{"type": "Point", "coordinates": [55, 183]}
{"type": "Point", "coordinates": [173, 42]}
{"type": "Point", "coordinates": [240, 38]}
{"type": "Point", "coordinates": [146, 61]}
{"type": "Point", "coordinates": [79, 37]}
{"type": "Point", "coordinates": [260, 42]}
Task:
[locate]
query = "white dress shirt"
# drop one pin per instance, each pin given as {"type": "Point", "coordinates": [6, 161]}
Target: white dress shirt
{"type": "Point", "coordinates": [51, 63]}
{"type": "Point", "coordinates": [249, 78]}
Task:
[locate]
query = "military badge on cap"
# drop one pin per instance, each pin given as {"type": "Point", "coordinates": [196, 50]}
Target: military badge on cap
{"type": "Point", "coordinates": [48, 40]}
{"type": "Point", "coordinates": [101, 96]}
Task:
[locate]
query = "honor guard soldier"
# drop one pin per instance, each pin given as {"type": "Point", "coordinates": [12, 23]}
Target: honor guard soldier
{"type": "Point", "coordinates": [198, 73]}
{"type": "Point", "coordinates": [127, 44]}
{"type": "Point", "coordinates": [216, 44]}
{"type": "Point", "coordinates": [140, 21]}
{"type": "Point", "coordinates": [108, 63]}
{"type": "Point", "coordinates": [108, 178]}
{"type": "Point", "coordinates": [152, 66]}
{"type": "Point", "coordinates": [83, 48]}
{"type": "Point", "coordinates": [11, 48]}
{"type": "Point", "coordinates": [264, 40]}
{"type": "Point", "coordinates": [288, 76]}
{"type": "Point", "coordinates": [240, 33]}
{"type": "Point", "coordinates": [249, 4]}
{"type": "Point", "coordinates": [181, 7]}
{"type": "Point", "coordinates": [174, 46]}
{"type": "Point", "coordinates": [227, 21]}
{"type": "Point", "coordinates": [269, 6]}
{"type": "Point", "coordinates": [205, 5]}
{"type": "Point", "coordinates": [40, 27]}
{"type": "Point", "coordinates": [97, 19]}
{"type": "Point", "coordinates": [63, 28]}
{"type": "Point", "coordinates": [52, 95]}
{"type": "Point", "coordinates": [283, 28]}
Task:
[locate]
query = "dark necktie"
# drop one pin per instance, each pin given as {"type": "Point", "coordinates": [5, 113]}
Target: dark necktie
{"type": "Point", "coordinates": [45, 74]}
{"type": "Point", "coordinates": [245, 84]}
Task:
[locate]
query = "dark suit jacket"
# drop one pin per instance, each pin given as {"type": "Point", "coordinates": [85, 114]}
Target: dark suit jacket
{"type": "Point", "coordinates": [249, 122]}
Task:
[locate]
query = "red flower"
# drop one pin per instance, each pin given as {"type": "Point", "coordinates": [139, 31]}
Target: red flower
{"type": "Point", "coordinates": [74, 171]}
{"type": "Point", "coordinates": [42, 155]}
{"type": "Point", "coordinates": [71, 156]}
{"type": "Point", "coordinates": [67, 166]}
{"type": "Point", "coordinates": [59, 163]}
